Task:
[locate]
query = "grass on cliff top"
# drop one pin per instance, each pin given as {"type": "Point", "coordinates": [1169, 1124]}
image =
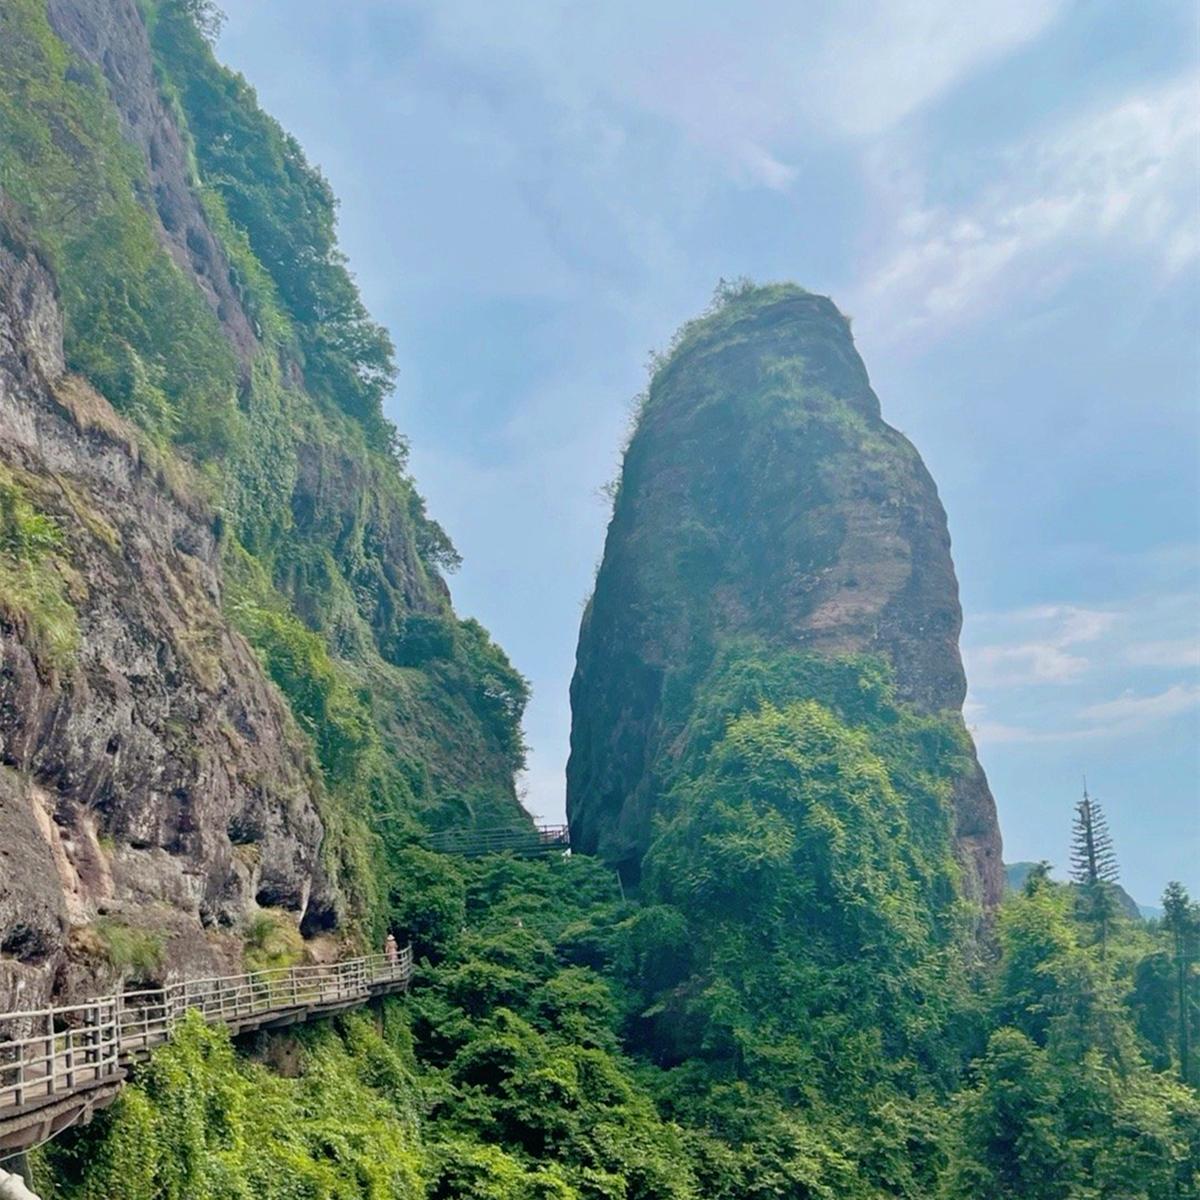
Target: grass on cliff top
{"type": "Point", "coordinates": [732, 301]}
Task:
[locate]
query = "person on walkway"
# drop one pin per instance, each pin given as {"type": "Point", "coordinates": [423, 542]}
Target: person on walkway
{"type": "Point", "coordinates": [391, 950]}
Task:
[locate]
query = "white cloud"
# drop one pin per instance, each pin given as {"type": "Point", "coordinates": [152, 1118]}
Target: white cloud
{"type": "Point", "coordinates": [746, 83]}
{"type": "Point", "coordinates": [1124, 176]}
{"type": "Point", "coordinates": [1108, 720]}
{"type": "Point", "coordinates": [1048, 657]}
{"type": "Point", "coordinates": [1178, 653]}
{"type": "Point", "coordinates": [994, 733]}
{"type": "Point", "coordinates": [885, 60]}
{"type": "Point", "coordinates": [1043, 670]}
{"type": "Point", "coordinates": [1136, 712]}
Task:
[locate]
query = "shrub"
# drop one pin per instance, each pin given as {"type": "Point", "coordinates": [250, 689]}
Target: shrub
{"type": "Point", "coordinates": [271, 940]}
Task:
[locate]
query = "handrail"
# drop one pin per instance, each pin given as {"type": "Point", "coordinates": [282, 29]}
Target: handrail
{"type": "Point", "coordinates": [520, 840]}
{"type": "Point", "coordinates": [54, 1052]}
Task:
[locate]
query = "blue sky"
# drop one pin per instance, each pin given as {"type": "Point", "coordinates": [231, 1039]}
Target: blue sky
{"type": "Point", "coordinates": [1003, 194]}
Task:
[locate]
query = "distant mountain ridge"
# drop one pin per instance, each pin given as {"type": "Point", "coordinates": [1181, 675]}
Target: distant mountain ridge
{"type": "Point", "coordinates": [1016, 873]}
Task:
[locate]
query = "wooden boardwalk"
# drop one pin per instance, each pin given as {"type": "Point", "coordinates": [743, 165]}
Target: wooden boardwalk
{"type": "Point", "coordinates": [524, 841]}
{"type": "Point", "coordinates": [57, 1065]}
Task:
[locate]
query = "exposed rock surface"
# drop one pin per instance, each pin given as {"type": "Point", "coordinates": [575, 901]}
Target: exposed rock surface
{"type": "Point", "coordinates": [343, 548]}
{"type": "Point", "coordinates": [155, 778]}
{"type": "Point", "coordinates": [763, 496]}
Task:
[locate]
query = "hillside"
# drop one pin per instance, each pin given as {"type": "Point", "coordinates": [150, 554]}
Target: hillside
{"type": "Point", "coordinates": [235, 697]}
{"type": "Point", "coordinates": [234, 674]}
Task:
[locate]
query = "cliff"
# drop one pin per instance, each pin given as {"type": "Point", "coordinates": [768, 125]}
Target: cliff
{"type": "Point", "coordinates": [152, 781]}
{"type": "Point", "coordinates": [762, 502]}
{"type": "Point", "coordinates": [232, 680]}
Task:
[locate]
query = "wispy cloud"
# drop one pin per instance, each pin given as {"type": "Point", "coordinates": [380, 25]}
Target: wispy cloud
{"type": "Point", "coordinates": [1050, 655]}
{"type": "Point", "coordinates": [885, 60]}
{"type": "Point", "coordinates": [1171, 655]}
{"type": "Point", "coordinates": [1123, 176]}
{"type": "Point", "coordinates": [1073, 672]}
{"type": "Point", "coordinates": [1136, 712]}
{"type": "Point", "coordinates": [746, 83]}
{"type": "Point", "coordinates": [1124, 716]}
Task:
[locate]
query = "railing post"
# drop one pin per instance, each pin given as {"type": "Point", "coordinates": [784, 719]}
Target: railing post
{"type": "Point", "coordinates": [89, 1054]}
{"type": "Point", "coordinates": [49, 1051]}
{"type": "Point", "coordinates": [70, 1056]}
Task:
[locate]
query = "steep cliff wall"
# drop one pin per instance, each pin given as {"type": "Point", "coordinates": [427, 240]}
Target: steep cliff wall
{"type": "Point", "coordinates": [232, 676]}
{"type": "Point", "coordinates": [151, 777]}
{"type": "Point", "coordinates": [764, 501]}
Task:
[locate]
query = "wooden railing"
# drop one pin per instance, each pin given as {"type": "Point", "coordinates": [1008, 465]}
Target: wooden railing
{"type": "Point", "coordinates": [53, 1053]}
{"type": "Point", "coordinates": [521, 840]}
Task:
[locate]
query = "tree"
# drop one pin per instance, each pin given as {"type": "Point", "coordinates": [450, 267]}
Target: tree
{"type": "Point", "coordinates": [1181, 919]}
{"type": "Point", "coordinates": [1094, 867]}
{"type": "Point", "coordinates": [1012, 1145]}
{"type": "Point", "coordinates": [1038, 877]}
{"type": "Point", "coordinates": [1092, 857]}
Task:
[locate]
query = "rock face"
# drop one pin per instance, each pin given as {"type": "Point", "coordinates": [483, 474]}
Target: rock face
{"type": "Point", "coordinates": [162, 779]}
{"type": "Point", "coordinates": [150, 776]}
{"type": "Point", "coordinates": [762, 496]}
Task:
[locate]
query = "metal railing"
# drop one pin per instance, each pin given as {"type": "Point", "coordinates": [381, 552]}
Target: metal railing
{"type": "Point", "coordinates": [521, 840]}
{"type": "Point", "coordinates": [55, 1052]}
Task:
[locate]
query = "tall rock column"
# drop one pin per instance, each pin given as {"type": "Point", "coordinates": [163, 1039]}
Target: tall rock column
{"type": "Point", "coordinates": [762, 497]}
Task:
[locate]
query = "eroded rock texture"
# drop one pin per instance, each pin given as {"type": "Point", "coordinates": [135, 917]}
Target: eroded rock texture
{"type": "Point", "coordinates": [149, 775]}
{"type": "Point", "coordinates": [762, 496]}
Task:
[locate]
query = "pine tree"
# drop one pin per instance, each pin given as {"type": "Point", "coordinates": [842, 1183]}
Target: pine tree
{"type": "Point", "coordinates": [1094, 866]}
{"type": "Point", "coordinates": [1092, 857]}
{"type": "Point", "coordinates": [1181, 919]}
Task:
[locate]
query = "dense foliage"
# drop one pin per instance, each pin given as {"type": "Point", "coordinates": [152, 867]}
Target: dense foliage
{"type": "Point", "coordinates": [518, 1070]}
{"type": "Point", "coordinates": [796, 1002]}
{"type": "Point", "coordinates": [135, 326]}
{"type": "Point", "coordinates": [286, 210]}
{"type": "Point", "coordinates": [791, 1007]}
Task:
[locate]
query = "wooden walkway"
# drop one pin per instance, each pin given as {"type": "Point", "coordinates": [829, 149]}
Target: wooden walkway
{"type": "Point", "coordinates": [524, 841]}
{"type": "Point", "coordinates": [57, 1065]}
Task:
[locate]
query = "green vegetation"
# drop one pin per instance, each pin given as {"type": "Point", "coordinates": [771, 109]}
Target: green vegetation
{"type": "Point", "coordinates": [793, 1006]}
{"type": "Point", "coordinates": [331, 558]}
{"type": "Point", "coordinates": [795, 1002]}
{"type": "Point", "coordinates": [136, 953]}
{"type": "Point", "coordinates": [34, 576]}
{"type": "Point", "coordinates": [271, 941]}
{"type": "Point", "coordinates": [201, 1124]}
{"type": "Point", "coordinates": [519, 1068]}
{"type": "Point", "coordinates": [136, 327]}
{"type": "Point", "coordinates": [286, 211]}
{"type": "Point", "coordinates": [1063, 1102]}
{"type": "Point", "coordinates": [1094, 867]}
